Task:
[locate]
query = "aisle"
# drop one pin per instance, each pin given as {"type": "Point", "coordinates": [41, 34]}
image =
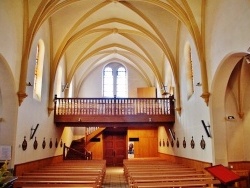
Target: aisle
{"type": "Point", "coordinates": [114, 178]}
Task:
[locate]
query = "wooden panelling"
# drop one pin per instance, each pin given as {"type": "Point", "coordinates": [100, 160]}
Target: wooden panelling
{"type": "Point", "coordinates": [146, 92]}
{"type": "Point", "coordinates": [19, 169]}
{"type": "Point", "coordinates": [96, 148]}
{"type": "Point", "coordinates": [242, 168]}
{"type": "Point", "coordinates": [239, 165]}
{"type": "Point", "coordinates": [198, 165]}
{"type": "Point", "coordinates": [147, 144]}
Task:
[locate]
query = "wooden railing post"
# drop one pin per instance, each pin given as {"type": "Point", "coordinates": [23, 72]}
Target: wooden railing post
{"type": "Point", "coordinates": [64, 153]}
{"type": "Point", "coordinates": [55, 107]}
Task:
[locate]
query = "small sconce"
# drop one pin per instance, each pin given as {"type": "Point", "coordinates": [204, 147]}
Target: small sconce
{"type": "Point", "coordinates": [29, 84]}
{"type": "Point", "coordinates": [164, 90]}
{"type": "Point", "coordinates": [65, 86]}
{"type": "Point", "coordinates": [1, 119]}
{"type": "Point", "coordinates": [247, 59]}
{"type": "Point", "coordinates": [198, 84]}
{"type": "Point", "coordinates": [230, 117]}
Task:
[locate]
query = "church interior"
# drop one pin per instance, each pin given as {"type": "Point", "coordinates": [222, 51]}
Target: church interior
{"type": "Point", "coordinates": [121, 80]}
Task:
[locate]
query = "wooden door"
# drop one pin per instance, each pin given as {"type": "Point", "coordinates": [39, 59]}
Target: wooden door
{"type": "Point", "coordinates": [114, 149]}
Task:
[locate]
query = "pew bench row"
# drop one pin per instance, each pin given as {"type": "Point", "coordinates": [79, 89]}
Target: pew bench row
{"type": "Point", "coordinates": [160, 174]}
{"type": "Point", "coordinates": [68, 174]}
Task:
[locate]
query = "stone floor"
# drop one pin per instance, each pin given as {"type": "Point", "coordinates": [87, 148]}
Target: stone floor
{"type": "Point", "coordinates": [114, 178]}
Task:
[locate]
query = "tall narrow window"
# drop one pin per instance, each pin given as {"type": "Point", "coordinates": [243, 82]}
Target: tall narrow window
{"type": "Point", "coordinates": [108, 83]}
{"type": "Point", "coordinates": [121, 83]}
{"type": "Point", "coordinates": [38, 71]}
{"type": "Point", "coordinates": [189, 71]}
{"type": "Point", "coordinates": [115, 81]}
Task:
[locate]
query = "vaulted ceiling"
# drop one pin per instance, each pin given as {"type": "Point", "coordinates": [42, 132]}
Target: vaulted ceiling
{"type": "Point", "coordinates": [87, 33]}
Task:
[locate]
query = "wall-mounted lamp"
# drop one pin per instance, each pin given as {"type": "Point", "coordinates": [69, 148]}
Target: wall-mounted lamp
{"type": "Point", "coordinates": [164, 90]}
{"type": "Point", "coordinates": [33, 131]}
{"type": "Point", "coordinates": [230, 117]}
{"type": "Point", "coordinates": [29, 84]}
{"type": "Point", "coordinates": [247, 59]}
{"type": "Point", "coordinates": [65, 86]}
{"type": "Point", "coordinates": [1, 119]}
{"type": "Point", "coordinates": [198, 84]}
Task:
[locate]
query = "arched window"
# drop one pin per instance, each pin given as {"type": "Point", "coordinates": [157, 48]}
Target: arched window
{"type": "Point", "coordinates": [108, 82]}
{"type": "Point", "coordinates": [115, 81]}
{"type": "Point", "coordinates": [38, 71]}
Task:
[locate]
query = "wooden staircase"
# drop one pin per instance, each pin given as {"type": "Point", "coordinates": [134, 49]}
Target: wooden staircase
{"type": "Point", "coordinates": [93, 134]}
{"type": "Point", "coordinates": [77, 151]}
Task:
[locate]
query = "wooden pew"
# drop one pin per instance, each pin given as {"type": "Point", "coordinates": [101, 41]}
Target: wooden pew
{"type": "Point", "coordinates": [61, 174]}
{"type": "Point", "coordinates": [68, 174]}
{"type": "Point", "coordinates": [160, 174]}
{"type": "Point", "coordinates": [166, 174]}
{"type": "Point", "coordinates": [90, 179]}
{"type": "Point", "coordinates": [45, 183]}
{"type": "Point", "coordinates": [181, 183]}
{"type": "Point", "coordinates": [166, 177]}
{"type": "Point", "coordinates": [56, 180]}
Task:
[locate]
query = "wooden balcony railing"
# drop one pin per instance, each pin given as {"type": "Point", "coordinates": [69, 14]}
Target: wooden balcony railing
{"type": "Point", "coordinates": [113, 110]}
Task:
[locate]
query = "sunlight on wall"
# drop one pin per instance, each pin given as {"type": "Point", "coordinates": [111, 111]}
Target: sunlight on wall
{"type": "Point", "coordinates": [170, 88]}
{"type": "Point", "coordinates": [70, 90]}
{"type": "Point", "coordinates": [1, 104]}
{"type": "Point", "coordinates": [38, 78]}
{"type": "Point", "coordinates": [58, 82]}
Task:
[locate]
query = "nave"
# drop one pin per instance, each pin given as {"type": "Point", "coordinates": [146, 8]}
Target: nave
{"type": "Point", "coordinates": [142, 173]}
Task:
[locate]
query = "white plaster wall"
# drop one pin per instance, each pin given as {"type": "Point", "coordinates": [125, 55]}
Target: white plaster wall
{"type": "Point", "coordinates": [92, 85]}
{"type": "Point", "coordinates": [11, 35]}
{"type": "Point", "coordinates": [33, 112]}
{"type": "Point", "coordinates": [227, 31]}
{"type": "Point", "coordinates": [188, 124]}
{"type": "Point", "coordinates": [237, 130]}
{"type": "Point", "coordinates": [8, 108]}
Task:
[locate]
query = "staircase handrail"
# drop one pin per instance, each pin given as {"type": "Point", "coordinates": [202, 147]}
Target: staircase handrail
{"type": "Point", "coordinates": [88, 153]}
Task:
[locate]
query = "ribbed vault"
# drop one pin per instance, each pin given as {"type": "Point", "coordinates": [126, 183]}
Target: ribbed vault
{"type": "Point", "coordinates": [85, 34]}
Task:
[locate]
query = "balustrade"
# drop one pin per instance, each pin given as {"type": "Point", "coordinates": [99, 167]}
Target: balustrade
{"type": "Point", "coordinates": [113, 106]}
{"type": "Point", "coordinates": [81, 111]}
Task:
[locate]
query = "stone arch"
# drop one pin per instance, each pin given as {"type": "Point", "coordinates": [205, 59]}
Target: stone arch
{"type": "Point", "coordinates": [218, 111]}
{"type": "Point", "coordinates": [8, 107]}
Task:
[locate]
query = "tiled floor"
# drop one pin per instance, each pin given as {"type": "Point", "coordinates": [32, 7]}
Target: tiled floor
{"type": "Point", "coordinates": [114, 178]}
